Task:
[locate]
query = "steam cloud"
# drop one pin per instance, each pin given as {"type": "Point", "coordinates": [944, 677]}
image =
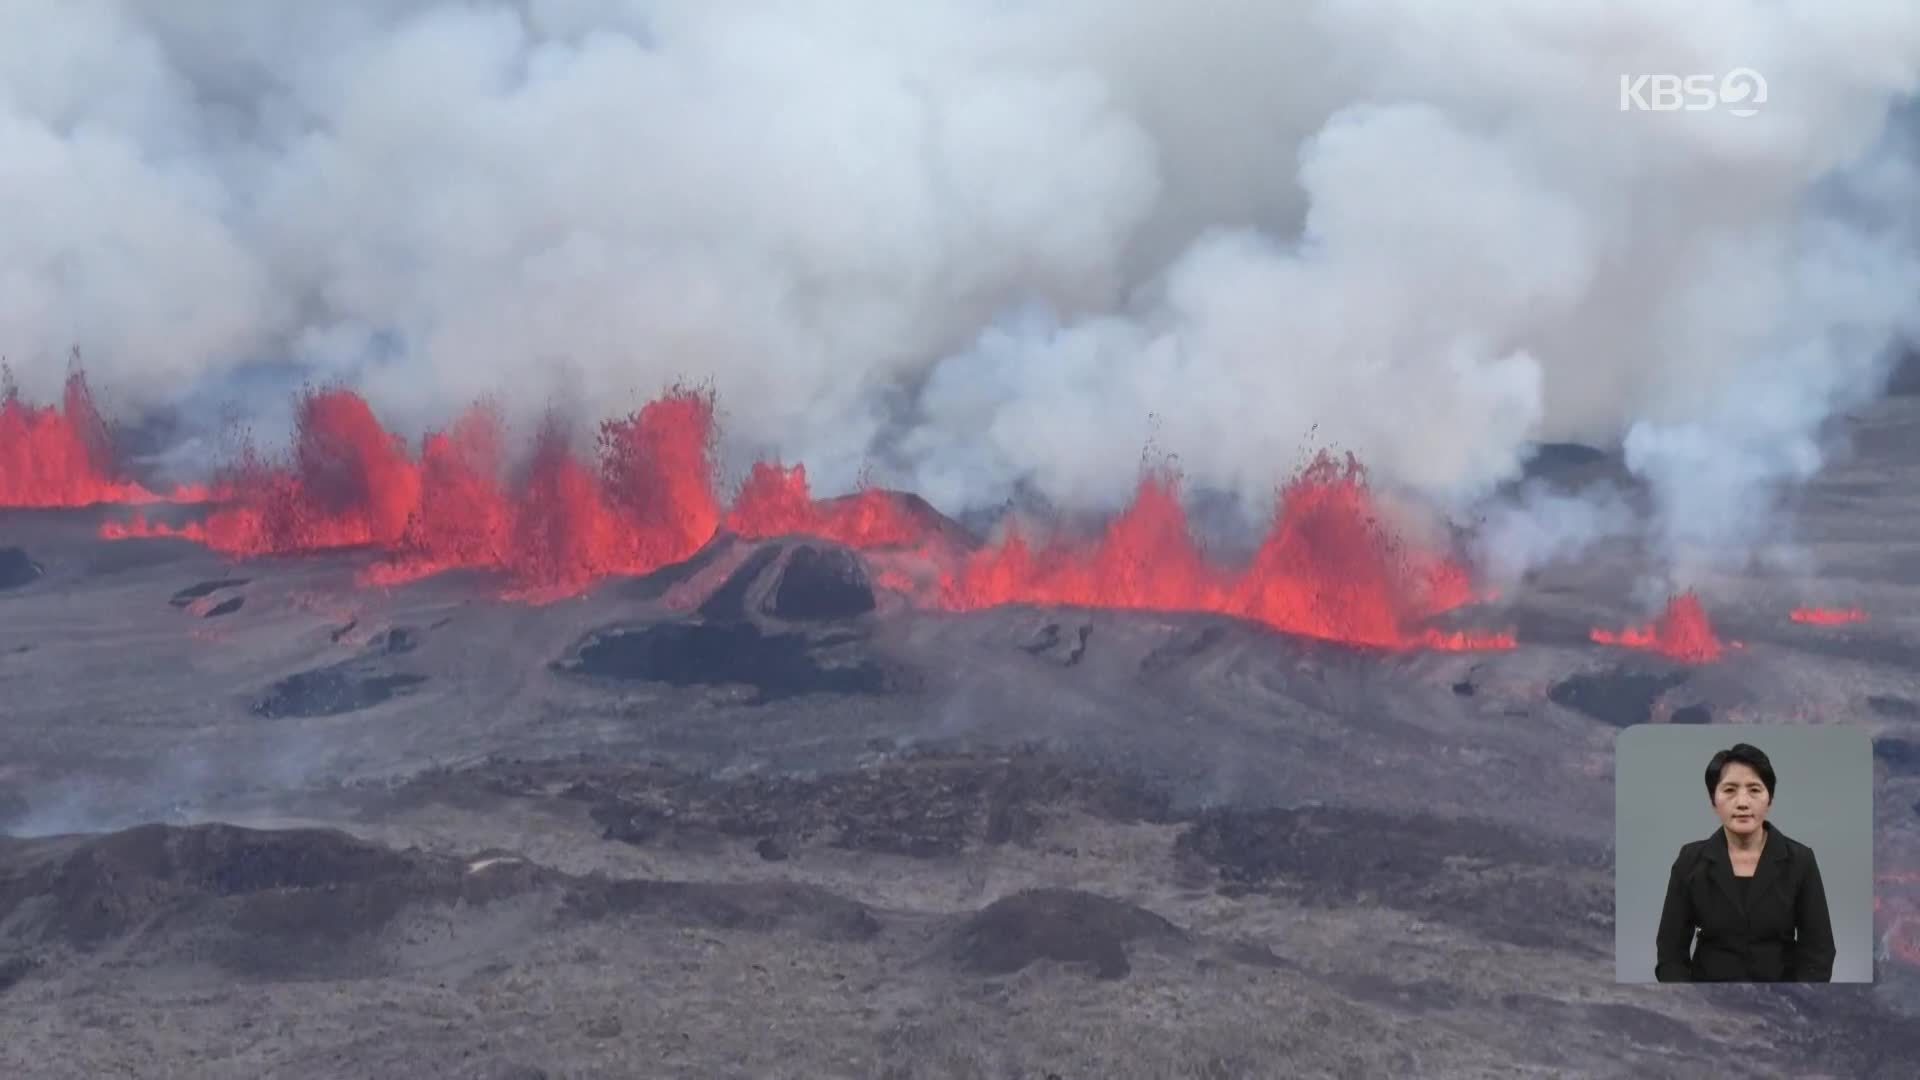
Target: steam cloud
{"type": "Point", "coordinates": [976, 245]}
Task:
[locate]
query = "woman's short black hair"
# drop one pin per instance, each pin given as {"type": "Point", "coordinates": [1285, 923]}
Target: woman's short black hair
{"type": "Point", "coordinates": [1741, 754]}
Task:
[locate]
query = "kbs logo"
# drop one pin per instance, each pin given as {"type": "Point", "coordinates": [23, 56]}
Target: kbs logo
{"type": "Point", "coordinates": [1740, 92]}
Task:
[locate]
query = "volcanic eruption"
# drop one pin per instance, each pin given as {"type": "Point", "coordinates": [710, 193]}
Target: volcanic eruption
{"type": "Point", "coordinates": [1329, 566]}
{"type": "Point", "coordinates": [61, 455]}
{"type": "Point", "coordinates": [1681, 632]}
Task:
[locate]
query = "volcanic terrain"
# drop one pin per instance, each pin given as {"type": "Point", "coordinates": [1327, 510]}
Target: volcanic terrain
{"type": "Point", "coordinates": [300, 787]}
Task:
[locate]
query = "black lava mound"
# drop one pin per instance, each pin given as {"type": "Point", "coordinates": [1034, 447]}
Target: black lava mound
{"type": "Point", "coordinates": [16, 569]}
{"type": "Point", "coordinates": [298, 902]}
{"type": "Point", "coordinates": [796, 582]}
{"type": "Point", "coordinates": [1618, 697]}
{"type": "Point", "coordinates": [348, 686]}
{"type": "Point", "coordinates": [729, 602]}
{"type": "Point", "coordinates": [330, 691]}
{"type": "Point", "coordinates": [307, 883]}
{"type": "Point", "coordinates": [1063, 925]}
{"type": "Point", "coordinates": [820, 583]}
{"type": "Point", "coordinates": [776, 666]}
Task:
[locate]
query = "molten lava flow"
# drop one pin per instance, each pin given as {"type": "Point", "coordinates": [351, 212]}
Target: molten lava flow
{"type": "Point", "coordinates": [1327, 569]}
{"type": "Point", "coordinates": [58, 456]}
{"type": "Point", "coordinates": [1682, 632]}
{"type": "Point", "coordinates": [1828, 616]}
{"type": "Point", "coordinates": [775, 501]}
{"type": "Point", "coordinates": [657, 470]}
{"type": "Point", "coordinates": [349, 483]}
{"type": "Point", "coordinates": [464, 518]}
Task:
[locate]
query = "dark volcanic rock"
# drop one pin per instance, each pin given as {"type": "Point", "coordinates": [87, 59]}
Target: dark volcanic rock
{"type": "Point", "coordinates": [1901, 755]}
{"type": "Point", "coordinates": [1618, 697]}
{"type": "Point", "coordinates": [1061, 648]}
{"type": "Point", "coordinates": [722, 654]}
{"type": "Point", "coordinates": [225, 607]}
{"type": "Point", "coordinates": [191, 593]}
{"type": "Point", "coordinates": [330, 691]}
{"type": "Point", "coordinates": [755, 906]}
{"type": "Point", "coordinates": [729, 602]}
{"type": "Point", "coordinates": [1691, 714]}
{"type": "Point", "coordinates": [306, 884]}
{"type": "Point", "coordinates": [1501, 883]}
{"type": "Point", "coordinates": [278, 902]}
{"type": "Point", "coordinates": [1575, 465]}
{"type": "Point", "coordinates": [1063, 925]}
{"type": "Point", "coordinates": [1896, 707]}
{"type": "Point", "coordinates": [348, 686]}
{"type": "Point", "coordinates": [655, 585]}
{"type": "Point", "coordinates": [15, 968]}
{"type": "Point", "coordinates": [919, 807]}
{"type": "Point", "coordinates": [820, 583]}
{"type": "Point", "coordinates": [16, 569]}
{"type": "Point", "coordinates": [395, 641]}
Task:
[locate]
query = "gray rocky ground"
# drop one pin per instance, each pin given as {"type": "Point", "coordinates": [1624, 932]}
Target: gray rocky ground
{"type": "Point", "coordinates": [720, 823]}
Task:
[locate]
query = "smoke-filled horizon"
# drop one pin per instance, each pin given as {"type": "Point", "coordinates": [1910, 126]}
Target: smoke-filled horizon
{"type": "Point", "coordinates": [974, 247]}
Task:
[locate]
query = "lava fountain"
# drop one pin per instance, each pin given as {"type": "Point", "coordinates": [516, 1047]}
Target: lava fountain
{"type": "Point", "coordinates": [1681, 632]}
{"type": "Point", "coordinates": [58, 456]}
{"type": "Point", "coordinates": [1327, 568]}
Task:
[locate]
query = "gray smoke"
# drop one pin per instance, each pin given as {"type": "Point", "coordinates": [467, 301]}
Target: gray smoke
{"type": "Point", "coordinates": [977, 245]}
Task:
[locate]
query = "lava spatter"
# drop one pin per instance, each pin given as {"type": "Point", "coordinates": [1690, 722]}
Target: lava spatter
{"type": "Point", "coordinates": [776, 501]}
{"type": "Point", "coordinates": [62, 456]}
{"type": "Point", "coordinates": [1328, 568]}
{"type": "Point", "coordinates": [645, 502]}
{"type": "Point", "coordinates": [1682, 632]}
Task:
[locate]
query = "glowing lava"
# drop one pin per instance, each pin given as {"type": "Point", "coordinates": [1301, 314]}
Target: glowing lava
{"type": "Point", "coordinates": [59, 456]}
{"type": "Point", "coordinates": [1682, 632]}
{"type": "Point", "coordinates": [349, 483]}
{"type": "Point", "coordinates": [1828, 616]}
{"type": "Point", "coordinates": [1328, 568]}
{"type": "Point", "coordinates": [775, 501]}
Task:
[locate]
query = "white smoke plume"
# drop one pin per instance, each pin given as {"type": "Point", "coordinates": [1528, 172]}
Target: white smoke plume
{"type": "Point", "coordinates": [975, 244]}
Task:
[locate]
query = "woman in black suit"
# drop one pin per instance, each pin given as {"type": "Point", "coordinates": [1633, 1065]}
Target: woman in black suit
{"type": "Point", "coordinates": [1753, 894]}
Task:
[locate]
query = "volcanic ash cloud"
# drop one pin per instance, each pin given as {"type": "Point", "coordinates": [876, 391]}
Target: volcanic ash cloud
{"type": "Point", "coordinates": [977, 246]}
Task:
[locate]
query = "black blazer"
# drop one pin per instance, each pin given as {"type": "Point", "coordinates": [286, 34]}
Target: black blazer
{"type": "Point", "coordinates": [1782, 935]}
